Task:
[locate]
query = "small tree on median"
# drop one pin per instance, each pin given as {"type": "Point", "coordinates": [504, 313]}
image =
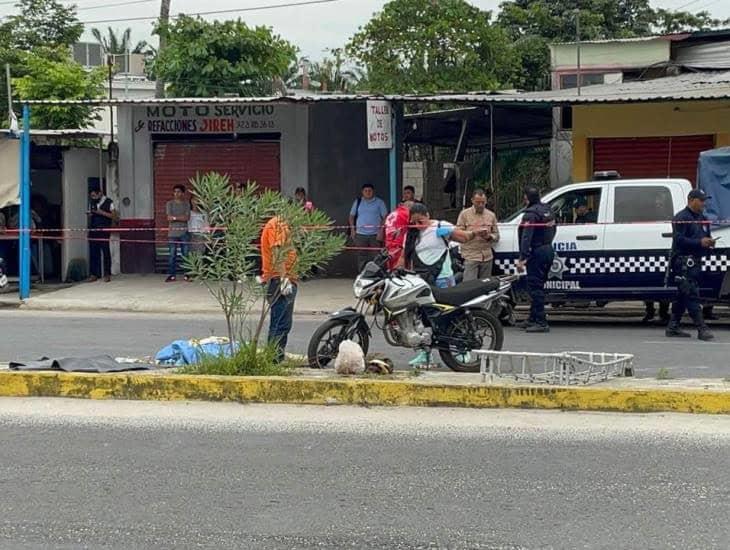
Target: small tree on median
{"type": "Point", "coordinates": [229, 265]}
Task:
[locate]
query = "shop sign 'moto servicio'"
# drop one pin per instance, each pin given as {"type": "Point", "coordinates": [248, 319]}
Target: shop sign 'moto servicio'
{"type": "Point", "coordinates": [207, 119]}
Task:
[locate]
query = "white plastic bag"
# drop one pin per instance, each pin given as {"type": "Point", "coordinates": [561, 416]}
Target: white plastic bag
{"type": "Point", "coordinates": [350, 359]}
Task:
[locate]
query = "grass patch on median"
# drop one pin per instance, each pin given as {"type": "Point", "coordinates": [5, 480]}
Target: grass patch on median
{"type": "Point", "coordinates": [664, 374]}
{"type": "Point", "coordinates": [248, 360]}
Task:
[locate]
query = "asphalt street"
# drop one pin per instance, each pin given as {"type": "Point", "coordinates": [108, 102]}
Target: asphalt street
{"type": "Point", "coordinates": [120, 475]}
{"type": "Point", "coordinates": [29, 335]}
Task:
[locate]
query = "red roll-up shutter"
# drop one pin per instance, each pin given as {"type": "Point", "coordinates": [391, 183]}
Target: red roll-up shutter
{"type": "Point", "coordinates": [177, 163]}
{"type": "Point", "coordinates": [660, 157]}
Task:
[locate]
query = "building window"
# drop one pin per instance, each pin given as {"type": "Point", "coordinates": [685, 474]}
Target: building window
{"type": "Point", "coordinates": [566, 118]}
{"type": "Point", "coordinates": [568, 81]}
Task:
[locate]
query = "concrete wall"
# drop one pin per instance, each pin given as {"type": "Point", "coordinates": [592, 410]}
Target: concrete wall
{"type": "Point", "coordinates": [645, 120]}
{"type": "Point", "coordinates": [78, 166]}
{"type": "Point", "coordinates": [414, 173]}
{"type": "Point", "coordinates": [340, 163]}
{"type": "Point", "coordinates": [610, 54]}
{"type": "Point", "coordinates": [138, 124]}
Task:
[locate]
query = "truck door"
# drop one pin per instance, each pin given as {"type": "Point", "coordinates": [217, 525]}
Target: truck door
{"type": "Point", "coordinates": [580, 214]}
{"type": "Point", "coordinates": [638, 238]}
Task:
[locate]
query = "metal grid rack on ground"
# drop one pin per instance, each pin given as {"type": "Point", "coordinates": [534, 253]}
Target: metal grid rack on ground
{"type": "Point", "coordinates": [565, 368]}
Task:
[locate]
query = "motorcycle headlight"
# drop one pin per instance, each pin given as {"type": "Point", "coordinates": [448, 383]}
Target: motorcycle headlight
{"type": "Point", "coordinates": [361, 286]}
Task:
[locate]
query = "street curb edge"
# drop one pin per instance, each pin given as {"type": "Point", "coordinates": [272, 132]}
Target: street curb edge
{"type": "Point", "coordinates": [349, 391]}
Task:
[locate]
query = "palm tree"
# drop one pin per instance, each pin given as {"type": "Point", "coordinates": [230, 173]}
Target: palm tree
{"type": "Point", "coordinates": [332, 74]}
{"type": "Point", "coordinates": [114, 44]}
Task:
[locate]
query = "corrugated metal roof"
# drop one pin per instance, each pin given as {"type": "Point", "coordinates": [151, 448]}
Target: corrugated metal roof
{"type": "Point", "coordinates": [690, 87]}
{"type": "Point", "coordinates": [89, 133]}
{"type": "Point", "coordinates": [612, 40]}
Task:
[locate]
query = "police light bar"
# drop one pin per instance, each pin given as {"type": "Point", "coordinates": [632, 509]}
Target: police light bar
{"type": "Point", "coordinates": [606, 175]}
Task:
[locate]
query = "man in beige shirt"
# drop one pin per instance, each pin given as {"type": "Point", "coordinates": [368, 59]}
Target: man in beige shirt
{"type": "Point", "coordinates": [478, 255]}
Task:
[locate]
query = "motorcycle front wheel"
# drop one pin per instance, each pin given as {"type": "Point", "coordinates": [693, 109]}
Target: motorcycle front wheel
{"type": "Point", "coordinates": [486, 328]}
{"type": "Point", "coordinates": [325, 343]}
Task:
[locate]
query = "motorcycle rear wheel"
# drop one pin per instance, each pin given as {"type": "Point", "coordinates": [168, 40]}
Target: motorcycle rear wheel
{"type": "Point", "coordinates": [325, 342]}
{"type": "Point", "coordinates": [487, 325]}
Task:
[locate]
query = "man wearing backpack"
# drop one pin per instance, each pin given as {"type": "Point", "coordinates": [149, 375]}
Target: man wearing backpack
{"type": "Point", "coordinates": [367, 215]}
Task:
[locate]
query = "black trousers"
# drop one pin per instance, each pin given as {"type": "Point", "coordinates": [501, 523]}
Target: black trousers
{"type": "Point", "coordinates": [687, 280]}
{"type": "Point", "coordinates": [538, 267]}
{"type": "Point", "coordinates": [99, 252]}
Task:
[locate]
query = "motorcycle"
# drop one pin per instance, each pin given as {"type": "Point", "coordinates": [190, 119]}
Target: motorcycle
{"type": "Point", "coordinates": [413, 314]}
{"type": "Point", "coordinates": [3, 274]}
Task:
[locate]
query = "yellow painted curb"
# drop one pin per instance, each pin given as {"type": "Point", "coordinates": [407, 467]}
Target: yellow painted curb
{"type": "Point", "coordinates": [355, 392]}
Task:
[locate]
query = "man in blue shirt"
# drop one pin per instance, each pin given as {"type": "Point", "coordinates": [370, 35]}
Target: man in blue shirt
{"type": "Point", "coordinates": [366, 224]}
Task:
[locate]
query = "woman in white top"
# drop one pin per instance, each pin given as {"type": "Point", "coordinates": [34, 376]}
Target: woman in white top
{"type": "Point", "coordinates": [197, 227]}
{"type": "Point", "coordinates": [427, 246]}
{"type": "Point", "coordinates": [426, 252]}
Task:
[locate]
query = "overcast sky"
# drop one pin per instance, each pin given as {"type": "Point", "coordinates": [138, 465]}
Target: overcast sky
{"type": "Point", "coordinates": [313, 28]}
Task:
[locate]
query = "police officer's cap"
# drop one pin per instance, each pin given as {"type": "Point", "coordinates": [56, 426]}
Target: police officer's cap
{"type": "Point", "coordinates": [698, 194]}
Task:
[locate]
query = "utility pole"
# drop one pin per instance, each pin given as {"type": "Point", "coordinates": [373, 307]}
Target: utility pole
{"type": "Point", "coordinates": [110, 64]}
{"type": "Point", "coordinates": [10, 93]}
{"type": "Point", "coordinates": [162, 23]}
{"type": "Point", "coordinates": [577, 46]}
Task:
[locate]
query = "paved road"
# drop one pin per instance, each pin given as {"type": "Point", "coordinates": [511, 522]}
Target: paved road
{"type": "Point", "coordinates": [29, 335]}
{"type": "Point", "coordinates": [80, 474]}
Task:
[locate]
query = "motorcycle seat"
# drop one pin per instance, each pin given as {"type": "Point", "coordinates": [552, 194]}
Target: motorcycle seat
{"type": "Point", "coordinates": [459, 294]}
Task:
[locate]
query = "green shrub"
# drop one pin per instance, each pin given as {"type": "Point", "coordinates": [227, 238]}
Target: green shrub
{"type": "Point", "coordinates": [249, 360]}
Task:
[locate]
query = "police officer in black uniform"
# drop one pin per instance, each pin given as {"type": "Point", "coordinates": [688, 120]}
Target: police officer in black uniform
{"type": "Point", "coordinates": [536, 234]}
{"type": "Point", "coordinates": [692, 240]}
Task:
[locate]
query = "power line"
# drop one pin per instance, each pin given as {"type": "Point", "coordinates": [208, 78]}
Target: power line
{"type": "Point", "coordinates": [216, 12]}
{"type": "Point", "coordinates": [686, 5]}
{"type": "Point", "coordinates": [104, 6]}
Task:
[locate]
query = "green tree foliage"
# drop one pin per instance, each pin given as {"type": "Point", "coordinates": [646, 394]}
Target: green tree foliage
{"type": "Point", "coordinates": [555, 20]}
{"type": "Point", "coordinates": [42, 23]}
{"type": "Point", "coordinates": [217, 58]}
{"type": "Point", "coordinates": [533, 24]}
{"type": "Point", "coordinates": [427, 46]}
{"type": "Point", "coordinates": [48, 78]}
{"type": "Point", "coordinates": [36, 43]}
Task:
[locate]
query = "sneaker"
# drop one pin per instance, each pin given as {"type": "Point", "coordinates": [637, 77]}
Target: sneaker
{"type": "Point", "coordinates": [676, 333]}
{"type": "Point", "coordinates": [187, 278]}
{"type": "Point", "coordinates": [171, 279]}
{"type": "Point", "coordinates": [705, 335]}
{"type": "Point", "coordinates": [422, 360]}
{"type": "Point", "coordinates": [92, 279]}
{"type": "Point", "coordinates": [107, 279]}
{"type": "Point", "coordinates": [524, 324]}
{"type": "Point", "coordinates": [537, 329]}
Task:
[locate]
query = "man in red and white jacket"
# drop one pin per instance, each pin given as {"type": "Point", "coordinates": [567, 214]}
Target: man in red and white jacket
{"type": "Point", "coordinates": [396, 229]}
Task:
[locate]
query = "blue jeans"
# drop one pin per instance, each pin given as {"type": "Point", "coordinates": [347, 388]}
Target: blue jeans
{"type": "Point", "coordinates": [174, 244]}
{"type": "Point", "coordinates": [281, 315]}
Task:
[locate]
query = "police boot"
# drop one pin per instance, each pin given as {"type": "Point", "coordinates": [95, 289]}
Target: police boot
{"type": "Point", "coordinates": [673, 331]}
{"type": "Point", "coordinates": [703, 333]}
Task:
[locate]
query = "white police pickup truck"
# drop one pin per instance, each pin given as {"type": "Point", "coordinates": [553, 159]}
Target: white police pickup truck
{"type": "Point", "coordinates": [613, 241]}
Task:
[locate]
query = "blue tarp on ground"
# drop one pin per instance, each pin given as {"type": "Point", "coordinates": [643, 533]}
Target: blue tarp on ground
{"type": "Point", "coordinates": [713, 176]}
{"type": "Point", "coordinates": [190, 352]}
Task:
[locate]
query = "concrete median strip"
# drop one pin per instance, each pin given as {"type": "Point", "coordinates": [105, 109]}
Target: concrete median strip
{"type": "Point", "coordinates": [431, 389]}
